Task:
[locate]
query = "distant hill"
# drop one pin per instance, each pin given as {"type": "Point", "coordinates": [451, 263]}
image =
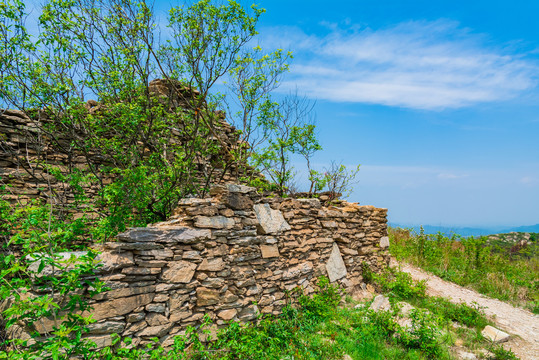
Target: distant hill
{"type": "Point", "coordinates": [469, 231]}
{"type": "Point", "coordinates": [530, 229]}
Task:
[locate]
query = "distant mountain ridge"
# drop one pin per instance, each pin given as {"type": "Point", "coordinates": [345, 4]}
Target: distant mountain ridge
{"type": "Point", "coordinates": [469, 231]}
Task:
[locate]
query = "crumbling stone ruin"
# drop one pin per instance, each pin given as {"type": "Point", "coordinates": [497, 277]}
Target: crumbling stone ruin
{"type": "Point", "coordinates": [231, 257]}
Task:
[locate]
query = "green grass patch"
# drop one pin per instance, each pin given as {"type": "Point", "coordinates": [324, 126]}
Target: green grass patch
{"type": "Point", "coordinates": [501, 270]}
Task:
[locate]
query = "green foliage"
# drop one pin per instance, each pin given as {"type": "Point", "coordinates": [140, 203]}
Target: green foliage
{"type": "Point", "coordinates": [501, 272]}
{"type": "Point", "coordinates": [142, 152]}
{"type": "Point", "coordinates": [424, 334]}
{"type": "Point", "coordinates": [38, 282]}
{"type": "Point", "coordinates": [501, 354]}
{"type": "Point", "coordinates": [400, 286]}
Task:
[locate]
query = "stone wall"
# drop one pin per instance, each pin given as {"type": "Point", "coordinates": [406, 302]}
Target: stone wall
{"type": "Point", "coordinates": [231, 257]}
{"type": "Point", "coordinates": [27, 151]}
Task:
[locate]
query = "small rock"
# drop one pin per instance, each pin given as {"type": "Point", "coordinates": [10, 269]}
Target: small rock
{"type": "Point", "coordinates": [463, 355]}
{"type": "Point", "coordinates": [380, 303]}
{"type": "Point", "coordinates": [495, 335]}
{"type": "Point", "coordinates": [157, 308]}
{"type": "Point", "coordinates": [405, 308]}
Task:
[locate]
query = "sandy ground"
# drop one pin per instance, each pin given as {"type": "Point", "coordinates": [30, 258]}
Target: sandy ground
{"type": "Point", "coordinates": [522, 324]}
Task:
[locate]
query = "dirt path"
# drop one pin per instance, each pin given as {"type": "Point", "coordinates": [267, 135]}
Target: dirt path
{"type": "Point", "coordinates": [523, 324]}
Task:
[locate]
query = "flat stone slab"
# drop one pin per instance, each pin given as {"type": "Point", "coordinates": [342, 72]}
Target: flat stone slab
{"type": "Point", "coordinates": [177, 234]}
{"type": "Point", "coordinates": [214, 222]}
{"type": "Point", "coordinates": [269, 251]}
{"type": "Point", "coordinates": [335, 266]}
{"type": "Point", "coordinates": [495, 335]}
{"type": "Point", "coordinates": [298, 270]}
{"type": "Point", "coordinates": [216, 264]}
{"type": "Point", "coordinates": [270, 221]}
{"type": "Point", "coordinates": [179, 272]}
{"type": "Point", "coordinates": [242, 189]}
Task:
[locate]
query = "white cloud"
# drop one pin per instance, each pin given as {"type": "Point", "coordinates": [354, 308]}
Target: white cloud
{"type": "Point", "coordinates": [421, 65]}
{"type": "Point", "coordinates": [528, 180]}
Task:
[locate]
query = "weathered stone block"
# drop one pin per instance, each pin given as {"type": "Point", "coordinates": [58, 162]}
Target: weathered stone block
{"type": "Point", "coordinates": [270, 221]}
{"type": "Point", "coordinates": [156, 308]}
{"type": "Point", "coordinates": [242, 189]}
{"type": "Point", "coordinates": [124, 292]}
{"type": "Point", "coordinates": [113, 261]}
{"type": "Point", "coordinates": [384, 242]}
{"type": "Point", "coordinates": [100, 341]}
{"type": "Point", "coordinates": [335, 266]}
{"type": "Point", "coordinates": [380, 303]}
{"type": "Point", "coordinates": [329, 224]}
{"type": "Point", "coordinates": [216, 264]}
{"type": "Point", "coordinates": [179, 272]}
{"type": "Point", "coordinates": [238, 202]}
{"type": "Point", "coordinates": [269, 251]}
{"type": "Point", "coordinates": [120, 306]}
{"type": "Point", "coordinates": [107, 327]}
{"type": "Point", "coordinates": [155, 331]}
{"type": "Point", "coordinates": [156, 319]}
{"type": "Point", "coordinates": [227, 314]}
{"type": "Point", "coordinates": [207, 297]}
{"type": "Point", "coordinates": [214, 222]}
{"type": "Point", "coordinates": [170, 234]}
{"type": "Point", "coordinates": [298, 270]}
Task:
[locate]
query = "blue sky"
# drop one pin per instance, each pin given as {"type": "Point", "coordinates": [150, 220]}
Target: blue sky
{"type": "Point", "coordinates": [437, 100]}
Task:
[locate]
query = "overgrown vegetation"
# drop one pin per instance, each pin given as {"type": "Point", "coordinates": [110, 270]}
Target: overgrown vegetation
{"type": "Point", "coordinates": [501, 270]}
{"type": "Point", "coordinates": [143, 148]}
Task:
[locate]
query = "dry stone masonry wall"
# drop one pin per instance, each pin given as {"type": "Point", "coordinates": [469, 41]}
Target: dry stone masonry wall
{"type": "Point", "coordinates": [231, 257]}
{"type": "Point", "coordinates": [28, 152]}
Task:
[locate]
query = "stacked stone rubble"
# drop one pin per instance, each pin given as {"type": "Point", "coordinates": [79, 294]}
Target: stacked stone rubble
{"type": "Point", "coordinates": [27, 152]}
{"type": "Point", "coordinates": [230, 257]}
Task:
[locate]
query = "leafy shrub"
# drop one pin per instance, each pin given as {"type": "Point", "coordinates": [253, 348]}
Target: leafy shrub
{"type": "Point", "coordinates": [400, 284]}
{"type": "Point", "coordinates": [501, 354]}
{"type": "Point", "coordinates": [424, 333]}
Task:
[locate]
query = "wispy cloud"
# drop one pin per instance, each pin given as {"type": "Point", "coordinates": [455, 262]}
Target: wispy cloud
{"type": "Point", "coordinates": [529, 180]}
{"type": "Point", "coordinates": [416, 64]}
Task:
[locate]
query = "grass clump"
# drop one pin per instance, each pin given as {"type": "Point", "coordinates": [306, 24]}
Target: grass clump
{"type": "Point", "coordinates": [500, 270]}
{"type": "Point", "coordinates": [400, 286]}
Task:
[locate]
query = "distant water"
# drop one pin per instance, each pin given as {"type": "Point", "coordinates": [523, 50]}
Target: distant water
{"type": "Point", "coordinates": [468, 231]}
